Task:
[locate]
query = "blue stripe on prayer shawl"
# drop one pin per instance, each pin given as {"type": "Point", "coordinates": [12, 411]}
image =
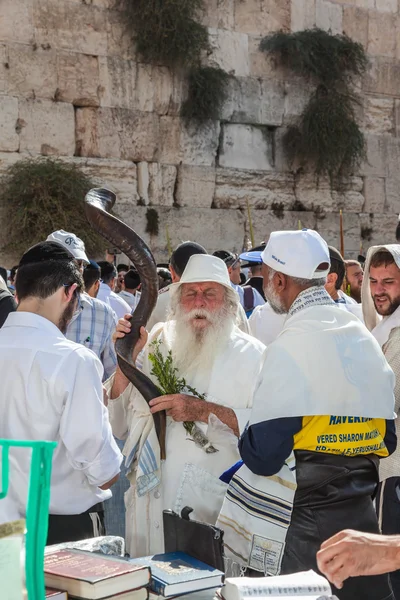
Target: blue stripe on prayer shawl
{"type": "Point", "coordinates": [150, 456]}
{"type": "Point", "coordinates": [129, 459]}
{"type": "Point", "coordinates": [257, 495]}
{"type": "Point", "coordinates": [262, 514]}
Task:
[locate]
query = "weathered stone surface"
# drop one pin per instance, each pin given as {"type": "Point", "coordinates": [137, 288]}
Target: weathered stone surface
{"type": "Point", "coordinates": [260, 17]}
{"type": "Point", "coordinates": [9, 139]}
{"type": "Point", "coordinates": [214, 229]}
{"type": "Point", "coordinates": [392, 204]}
{"type": "Point", "coordinates": [320, 196]}
{"type": "Point", "coordinates": [161, 184]}
{"type": "Point", "coordinates": [390, 6]}
{"type": "Point", "coordinates": [302, 15]}
{"type": "Point", "coordinates": [374, 194]}
{"type": "Point", "coordinates": [350, 201]}
{"type": "Point", "coordinates": [143, 182]}
{"type": "Point", "coordinates": [383, 78]}
{"type": "Point", "coordinates": [379, 115]}
{"type": "Point", "coordinates": [78, 79]}
{"type": "Point", "coordinates": [393, 158]}
{"type": "Point", "coordinates": [377, 151]}
{"type": "Point", "coordinates": [382, 34]}
{"type": "Point", "coordinates": [117, 133]}
{"type": "Point", "coordinates": [219, 14]}
{"type": "Point", "coordinates": [381, 229]}
{"type": "Point", "coordinates": [245, 147]}
{"type": "Point", "coordinates": [117, 78]}
{"type": "Point", "coordinates": [297, 96]}
{"type": "Point", "coordinates": [31, 71]}
{"type": "Point", "coordinates": [254, 101]}
{"type": "Point", "coordinates": [236, 188]}
{"type": "Point", "coordinates": [195, 186]}
{"type": "Point", "coordinates": [230, 51]}
{"type": "Point", "coordinates": [397, 117]}
{"type": "Point", "coordinates": [262, 65]}
{"type": "Point", "coordinates": [370, 4]}
{"type": "Point", "coordinates": [118, 175]}
{"type": "Point", "coordinates": [355, 24]}
{"type": "Point", "coordinates": [330, 230]}
{"type": "Point", "coordinates": [188, 145]}
{"type": "Point", "coordinates": [154, 88]}
{"type": "Point", "coordinates": [47, 127]}
{"type": "Point", "coordinates": [15, 20]}
{"type": "Point", "coordinates": [4, 66]}
{"type": "Point", "coordinates": [328, 16]}
{"type": "Point", "coordinates": [119, 40]}
{"type": "Point", "coordinates": [83, 29]}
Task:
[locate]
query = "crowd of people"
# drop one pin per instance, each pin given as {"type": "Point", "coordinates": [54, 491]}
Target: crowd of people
{"type": "Point", "coordinates": [283, 431]}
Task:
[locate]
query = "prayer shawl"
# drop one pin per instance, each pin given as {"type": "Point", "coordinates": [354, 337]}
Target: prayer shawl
{"type": "Point", "coordinates": [188, 476]}
{"type": "Point", "coordinates": [387, 331]}
{"type": "Point", "coordinates": [316, 366]}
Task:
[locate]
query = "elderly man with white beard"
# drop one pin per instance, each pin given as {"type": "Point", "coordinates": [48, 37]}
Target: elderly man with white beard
{"type": "Point", "coordinates": [208, 350]}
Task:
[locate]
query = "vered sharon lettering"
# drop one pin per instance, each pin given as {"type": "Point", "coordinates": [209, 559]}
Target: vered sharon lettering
{"type": "Point", "coordinates": [308, 585]}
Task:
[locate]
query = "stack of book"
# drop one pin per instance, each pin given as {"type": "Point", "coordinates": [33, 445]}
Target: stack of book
{"type": "Point", "coordinates": [89, 576]}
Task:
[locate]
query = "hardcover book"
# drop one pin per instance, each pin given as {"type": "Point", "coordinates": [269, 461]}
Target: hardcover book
{"type": "Point", "coordinates": [92, 576]}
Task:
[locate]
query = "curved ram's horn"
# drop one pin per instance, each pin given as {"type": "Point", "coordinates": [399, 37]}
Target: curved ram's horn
{"type": "Point", "coordinates": [98, 202]}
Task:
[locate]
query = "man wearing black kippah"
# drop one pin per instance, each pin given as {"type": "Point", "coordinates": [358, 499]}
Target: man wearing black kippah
{"type": "Point", "coordinates": [52, 390]}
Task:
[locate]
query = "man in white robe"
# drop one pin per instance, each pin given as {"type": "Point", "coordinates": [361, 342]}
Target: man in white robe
{"type": "Point", "coordinates": [218, 361]}
{"type": "Point", "coordinates": [381, 306]}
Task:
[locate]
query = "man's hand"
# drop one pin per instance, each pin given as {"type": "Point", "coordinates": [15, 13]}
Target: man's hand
{"type": "Point", "coordinates": [181, 407]}
{"type": "Point", "coordinates": [124, 327]}
{"type": "Point", "coordinates": [352, 553]}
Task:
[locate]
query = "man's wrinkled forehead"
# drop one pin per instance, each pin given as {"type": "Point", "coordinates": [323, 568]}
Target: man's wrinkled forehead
{"type": "Point", "coordinates": [201, 287]}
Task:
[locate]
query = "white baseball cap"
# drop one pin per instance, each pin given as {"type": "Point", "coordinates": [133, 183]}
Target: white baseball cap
{"type": "Point", "coordinates": [302, 254]}
{"type": "Point", "coordinates": [70, 242]}
{"type": "Point", "coordinates": [202, 268]}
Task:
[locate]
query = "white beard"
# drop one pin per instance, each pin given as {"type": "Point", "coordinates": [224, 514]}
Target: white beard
{"type": "Point", "coordinates": [195, 350]}
{"type": "Point", "coordinates": [273, 299]}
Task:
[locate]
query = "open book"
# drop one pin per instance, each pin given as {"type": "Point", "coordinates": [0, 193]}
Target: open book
{"type": "Point", "coordinates": [308, 585]}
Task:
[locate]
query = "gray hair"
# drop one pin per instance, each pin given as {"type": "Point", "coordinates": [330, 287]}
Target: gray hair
{"type": "Point", "coordinates": [304, 283]}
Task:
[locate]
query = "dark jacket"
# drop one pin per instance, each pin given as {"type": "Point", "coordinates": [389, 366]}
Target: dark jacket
{"type": "Point", "coordinates": [7, 305]}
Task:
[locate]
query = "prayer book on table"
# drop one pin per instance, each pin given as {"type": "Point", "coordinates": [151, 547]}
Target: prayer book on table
{"type": "Point", "coordinates": [93, 576]}
{"type": "Point", "coordinates": [177, 573]}
{"type": "Point", "coordinates": [308, 585]}
{"type": "Point", "coordinates": [55, 594]}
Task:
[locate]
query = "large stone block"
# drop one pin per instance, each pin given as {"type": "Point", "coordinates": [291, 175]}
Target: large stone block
{"type": "Point", "coordinates": [162, 180]}
{"type": "Point", "coordinates": [47, 127]}
{"type": "Point", "coordinates": [120, 40]}
{"type": "Point", "coordinates": [382, 34]}
{"type": "Point", "coordinates": [83, 29]}
{"type": "Point", "coordinates": [319, 195]}
{"type": "Point", "coordinates": [379, 115]}
{"type": "Point", "coordinates": [118, 175]}
{"type": "Point", "coordinates": [267, 221]}
{"type": "Point", "coordinates": [393, 158]}
{"type": "Point", "coordinates": [195, 186]}
{"type": "Point", "coordinates": [219, 14]}
{"type": "Point", "coordinates": [16, 21]}
{"type": "Point", "coordinates": [254, 101]}
{"type": "Point", "coordinates": [117, 133]}
{"type": "Point", "coordinates": [4, 66]}
{"type": "Point", "coordinates": [246, 147]}
{"type": "Point", "coordinates": [192, 145]}
{"type": "Point", "coordinates": [261, 190]}
{"type": "Point", "coordinates": [397, 117]}
{"type": "Point", "coordinates": [31, 71]}
{"type": "Point", "coordinates": [117, 78]}
{"type": "Point", "coordinates": [355, 24]}
{"type": "Point", "coordinates": [374, 194]}
{"type": "Point", "coordinates": [297, 96]}
{"type": "Point", "coordinates": [230, 51]}
{"type": "Point", "coordinates": [260, 17]}
{"type": "Point", "coordinates": [392, 204]}
{"type": "Point", "coordinates": [214, 229]}
{"type": "Point", "coordinates": [383, 77]}
{"type": "Point", "coordinates": [143, 182]}
{"type": "Point", "coordinates": [329, 228]}
{"type": "Point", "coordinates": [377, 156]}
{"type": "Point", "coordinates": [154, 88]}
{"type": "Point", "coordinates": [78, 79]}
{"type": "Point", "coordinates": [302, 15]}
{"type": "Point", "coordinates": [262, 65]}
{"type": "Point", "coordinates": [390, 6]}
{"type": "Point", "coordinates": [329, 16]}
{"type": "Point", "coordinates": [9, 139]}
{"type": "Point", "coordinates": [380, 229]}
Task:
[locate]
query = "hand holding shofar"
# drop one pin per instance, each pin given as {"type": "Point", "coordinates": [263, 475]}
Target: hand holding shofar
{"type": "Point", "coordinates": [98, 203]}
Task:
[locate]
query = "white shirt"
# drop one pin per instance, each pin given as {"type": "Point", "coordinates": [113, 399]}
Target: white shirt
{"type": "Point", "coordinates": [131, 299]}
{"type": "Point", "coordinates": [266, 324]}
{"type": "Point", "coordinates": [51, 390]}
{"type": "Point", "coordinates": [118, 304]}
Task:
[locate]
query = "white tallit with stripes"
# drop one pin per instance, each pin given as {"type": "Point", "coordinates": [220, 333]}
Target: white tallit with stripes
{"type": "Point", "coordinates": [316, 366]}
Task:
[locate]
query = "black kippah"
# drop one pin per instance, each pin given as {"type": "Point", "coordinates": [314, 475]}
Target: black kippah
{"type": "Point", "coordinates": [45, 251]}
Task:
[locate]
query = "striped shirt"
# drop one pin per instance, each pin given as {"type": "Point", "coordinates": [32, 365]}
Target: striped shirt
{"type": "Point", "coordinates": [93, 326]}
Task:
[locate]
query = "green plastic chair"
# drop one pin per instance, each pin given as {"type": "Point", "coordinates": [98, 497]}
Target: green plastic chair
{"type": "Point", "coordinates": [37, 511]}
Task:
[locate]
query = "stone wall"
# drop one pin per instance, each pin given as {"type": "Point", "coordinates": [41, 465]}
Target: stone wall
{"type": "Point", "coordinates": [72, 86]}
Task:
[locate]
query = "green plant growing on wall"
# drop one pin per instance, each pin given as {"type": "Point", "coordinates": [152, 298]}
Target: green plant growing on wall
{"type": "Point", "coordinates": [168, 32]}
{"type": "Point", "coordinates": [43, 195]}
{"type": "Point", "coordinates": [326, 137]}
